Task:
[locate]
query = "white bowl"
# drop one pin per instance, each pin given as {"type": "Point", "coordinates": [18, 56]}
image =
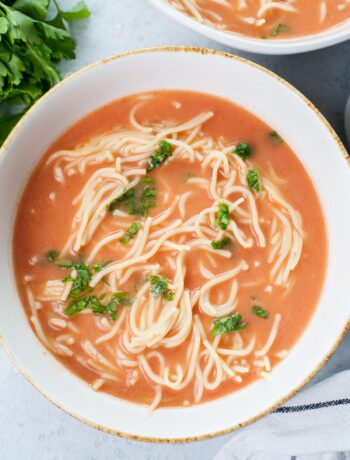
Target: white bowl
{"type": "Point", "coordinates": [282, 107]}
{"type": "Point", "coordinates": [329, 37]}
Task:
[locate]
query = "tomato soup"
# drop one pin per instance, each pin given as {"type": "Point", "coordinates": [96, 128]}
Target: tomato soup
{"type": "Point", "coordinates": [169, 248]}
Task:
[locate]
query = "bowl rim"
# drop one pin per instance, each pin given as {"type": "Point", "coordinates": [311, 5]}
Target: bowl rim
{"type": "Point", "coordinates": [324, 39]}
{"type": "Point", "coordinates": [318, 114]}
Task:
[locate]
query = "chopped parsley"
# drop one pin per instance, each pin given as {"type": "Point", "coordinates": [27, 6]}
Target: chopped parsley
{"type": "Point", "coordinates": [253, 180]}
{"type": "Point", "coordinates": [79, 294]}
{"type": "Point", "coordinates": [159, 156]}
{"type": "Point", "coordinates": [260, 312]}
{"type": "Point", "coordinates": [80, 281]}
{"type": "Point", "coordinates": [148, 180]}
{"type": "Point", "coordinates": [137, 201]}
{"type": "Point", "coordinates": [51, 256]}
{"type": "Point", "coordinates": [276, 139]}
{"type": "Point", "coordinates": [97, 307]}
{"type": "Point", "coordinates": [131, 232]}
{"type": "Point", "coordinates": [159, 287]}
{"type": "Point", "coordinates": [99, 266]}
{"type": "Point", "coordinates": [228, 324]}
{"type": "Point", "coordinates": [223, 217]}
{"type": "Point", "coordinates": [243, 150]}
{"type": "Point", "coordinates": [279, 28]}
{"type": "Point", "coordinates": [220, 244]}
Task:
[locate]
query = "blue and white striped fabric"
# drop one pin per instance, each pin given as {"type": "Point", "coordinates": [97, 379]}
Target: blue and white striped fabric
{"type": "Point", "coordinates": [314, 425]}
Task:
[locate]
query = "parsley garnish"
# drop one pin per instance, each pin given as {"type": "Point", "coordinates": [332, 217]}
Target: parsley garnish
{"type": "Point", "coordinates": [137, 201]}
{"type": "Point", "coordinates": [97, 307]}
{"type": "Point", "coordinates": [159, 287]}
{"type": "Point", "coordinates": [223, 217]}
{"type": "Point", "coordinates": [219, 244]}
{"type": "Point", "coordinates": [81, 281]}
{"type": "Point", "coordinates": [260, 312]}
{"type": "Point", "coordinates": [243, 150]}
{"type": "Point", "coordinates": [159, 156]}
{"type": "Point", "coordinates": [148, 180]}
{"type": "Point", "coordinates": [51, 256]}
{"type": "Point", "coordinates": [30, 47]}
{"type": "Point", "coordinates": [279, 28]}
{"type": "Point", "coordinates": [228, 324]}
{"type": "Point", "coordinates": [131, 232]}
{"type": "Point", "coordinates": [253, 180]}
{"type": "Point", "coordinates": [276, 139]}
{"type": "Point", "coordinates": [99, 266]}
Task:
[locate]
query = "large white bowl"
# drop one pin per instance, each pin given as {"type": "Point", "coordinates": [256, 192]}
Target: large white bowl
{"type": "Point", "coordinates": [270, 98]}
{"type": "Point", "coordinates": [324, 39]}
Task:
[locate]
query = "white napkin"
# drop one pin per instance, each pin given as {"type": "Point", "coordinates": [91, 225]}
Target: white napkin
{"type": "Point", "coordinates": [315, 424]}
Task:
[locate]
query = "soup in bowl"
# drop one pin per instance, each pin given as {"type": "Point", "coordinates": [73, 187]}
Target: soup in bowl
{"type": "Point", "coordinates": [174, 246]}
{"type": "Point", "coordinates": [263, 26]}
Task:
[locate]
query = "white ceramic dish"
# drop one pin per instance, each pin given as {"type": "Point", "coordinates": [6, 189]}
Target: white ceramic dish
{"type": "Point", "coordinates": [324, 39]}
{"type": "Point", "coordinates": [273, 100]}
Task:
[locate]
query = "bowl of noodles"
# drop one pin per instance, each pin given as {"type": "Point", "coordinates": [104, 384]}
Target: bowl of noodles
{"type": "Point", "coordinates": [174, 251]}
{"type": "Point", "coordinates": [264, 26]}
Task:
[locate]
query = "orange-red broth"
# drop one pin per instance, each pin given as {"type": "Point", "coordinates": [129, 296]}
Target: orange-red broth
{"type": "Point", "coordinates": [42, 225]}
{"type": "Point", "coordinates": [306, 20]}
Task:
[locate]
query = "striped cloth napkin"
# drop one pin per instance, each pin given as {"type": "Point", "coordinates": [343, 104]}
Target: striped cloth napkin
{"type": "Point", "coordinates": [313, 425]}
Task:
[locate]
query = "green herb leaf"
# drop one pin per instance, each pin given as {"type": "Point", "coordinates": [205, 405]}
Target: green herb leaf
{"type": "Point", "coordinates": [276, 139]}
{"type": "Point", "coordinates": [118, 299]}
{"type": "Point", "coordinates": [170, 295]}
{"type": "Point", "coordinates": [131, 232]}
{"type": "Point", "coordinates": [159, 284]}
{"type": "Point", "coordinates": [148, 197]}
{"type": "Point", "coordinates": [223, 218]}
{"type": "Point", "coordinates": [77, 12]}
{"type": "Point", "coordinates": [4, 25]}
{"type": "Point", "coordinates": [159, 156]}
{"type": "Point", "coordinates": [228, 324]}
{"type": "Point", "coordinates": [77, 306]}
{"type": "Point", "coordinates": [279, 28]}
{"type": "Point", "coordinates": [64, 263]}
{"type": "Point", "coordinates": [253, 180]}
{"type": "Point", "coordinates": [220, 244]}
{"type": "Point", "coordinates": [243, 150]}
{"type": "Point", "coordinates": [7, 123]}
{"type": "Point", "coordinates": [260, 312]}
{"type": "Point", "coordinates": [159, 287]}
{"type": "Point", "coordinates": [51, 256]}
{"type": "Point", "coordinates": [148, 180]}
{"type": "Point", "coordinates": [137, 201]}
{"type": "Point", "coordinates": [36, 9]}
{"type": "Point", "coordinates": [80, 281]}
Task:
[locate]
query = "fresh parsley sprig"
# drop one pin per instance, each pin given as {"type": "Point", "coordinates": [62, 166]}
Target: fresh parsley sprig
{"type": "Point", "coordinates": [220, 244]}
{"type": "Point", "coordinates": [31, 44]}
